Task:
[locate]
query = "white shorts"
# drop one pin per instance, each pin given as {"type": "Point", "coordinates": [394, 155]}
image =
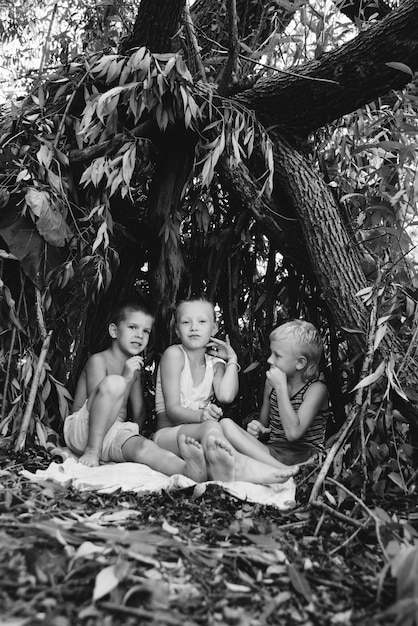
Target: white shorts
{"type": "Point", "coordinates": [76, 432]}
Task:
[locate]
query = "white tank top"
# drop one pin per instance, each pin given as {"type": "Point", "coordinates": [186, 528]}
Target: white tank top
{"type": "Point", "coordinates": [191, 397]}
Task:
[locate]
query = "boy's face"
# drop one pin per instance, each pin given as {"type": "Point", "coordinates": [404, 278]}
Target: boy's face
{"type": "Point", "coordinates": [285, 356]}
{"type": "Point", "coordinates": [195, 324]}
{"type": "Point", "coordinates": [133, 332]}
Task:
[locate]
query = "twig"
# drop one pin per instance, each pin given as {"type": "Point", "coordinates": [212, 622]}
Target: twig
{"type": "Point", "coordinates": [337, 514]}
{"type": "Point", "coordinates": [148, 615]}
{"type": "Point", "coordinates": [21, 438]}
{"type": "Point", "coordinates": [40, 315]}
{"type": "Point", "coordinates": [270, 67]}
{"type": "Point", "coordinates": [358, 408]}
{"type": "Point", "coordinates": [193, 41]}
{"type": "Point", "coordinates": [9, 365]}
{"type": "Point", "coordinates": [9, 360]}
{"type": "Point", "coordinates": [46, 44]}
{"type": "Point", "coordinates": [349, 539]}
{"type": "Point", "coordinates": [67, 108]}
{"type": "Point", "coordinates": [231, 62]}
{"type": "Point", "coordinates": [370, 513]}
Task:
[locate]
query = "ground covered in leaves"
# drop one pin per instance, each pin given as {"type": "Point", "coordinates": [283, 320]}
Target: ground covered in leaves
{"type": "Point", "coordinates": [69, 559]}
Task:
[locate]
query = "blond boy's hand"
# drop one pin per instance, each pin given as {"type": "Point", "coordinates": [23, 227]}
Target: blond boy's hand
{"type": "Point", "coordinates": [211, 412]}
{"type": "Point", "coordinates": [276, 377]}
{"type": "Point", "coordinates": [256, 428]}
{"type": "Point", "coordinates": [132, 365]}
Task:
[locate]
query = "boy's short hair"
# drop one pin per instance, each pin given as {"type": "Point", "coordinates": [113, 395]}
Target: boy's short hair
{"type": "Point", "coordinates": [120, 310]}
{"type": "Point", "coordinates": [194, 299]}
{"type": "Point", "coordinates": [307, 339]}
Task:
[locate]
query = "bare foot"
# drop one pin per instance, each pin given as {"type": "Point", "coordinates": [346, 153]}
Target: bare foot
{"type": "Point", "coordinates": [192, 453]}
{"type": "Point", "coordinates": [253, 471]}
{"type": "Point", "coordinates": [90, 458]}
{"type": "Point", "coordinates": [219, 454]}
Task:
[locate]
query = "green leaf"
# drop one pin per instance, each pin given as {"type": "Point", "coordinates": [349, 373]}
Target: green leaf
{"type": "Point", "coordinates": [48, 220]}
{"type": "Point", "coordinates": [371, 378]}
{"type": "Point", "coordinates": [400, 66]}
{"type": "Point", "coordinates": [299, 582]}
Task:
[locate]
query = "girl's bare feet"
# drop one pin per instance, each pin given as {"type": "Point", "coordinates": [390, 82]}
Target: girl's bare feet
{"type": "Point", "coordinates": [219, 454]}
{"type": "Point", "coordinates": [90, 458]}
{"type": "Point", "coordinates": [192, 452]}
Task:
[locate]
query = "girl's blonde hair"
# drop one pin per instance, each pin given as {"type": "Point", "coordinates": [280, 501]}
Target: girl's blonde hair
{"type": "Point", "coordinates": [307, 340]}
{"type": "Point", "coordinates": [182, 303]}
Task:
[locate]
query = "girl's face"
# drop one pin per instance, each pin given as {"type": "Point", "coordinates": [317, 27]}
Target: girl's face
{"type": "Point", "coordinates": [285, 356]}
{"type": "Point", "coordinates": [195, 324]}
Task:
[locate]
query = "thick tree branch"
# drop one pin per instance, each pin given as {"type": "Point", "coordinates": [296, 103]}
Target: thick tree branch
{"type": "Point", "coordinates": [359, 69]}
{"type": "Point", "coordinates": [230, 67]}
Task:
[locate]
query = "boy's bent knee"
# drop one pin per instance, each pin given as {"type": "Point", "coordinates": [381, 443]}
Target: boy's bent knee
{"type": "Point", "coordinates": [113, 385]}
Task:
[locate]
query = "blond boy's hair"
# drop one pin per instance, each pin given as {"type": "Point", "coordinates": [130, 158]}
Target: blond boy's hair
{"type": "Point", "coordinates": [307, 341]}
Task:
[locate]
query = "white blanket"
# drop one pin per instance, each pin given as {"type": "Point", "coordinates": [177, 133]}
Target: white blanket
{"type": "Point", "coordinates": [142, 479]}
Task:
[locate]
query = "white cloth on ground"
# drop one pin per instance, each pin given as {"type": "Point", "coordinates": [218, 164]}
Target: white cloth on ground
{"type": "Point", "coordinates": [141, 479]}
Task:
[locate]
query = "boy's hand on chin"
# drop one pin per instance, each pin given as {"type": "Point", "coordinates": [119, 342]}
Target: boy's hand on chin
{"type": "Point", "coordinates": [132, 365]}
{"type": "Point", "coordinates": [276, 377]}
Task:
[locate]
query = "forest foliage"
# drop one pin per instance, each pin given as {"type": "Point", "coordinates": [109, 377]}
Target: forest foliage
{"type": "Point", "coordinates": [84, 128]}
{"type": "Point", "coordinates": [78, 162]}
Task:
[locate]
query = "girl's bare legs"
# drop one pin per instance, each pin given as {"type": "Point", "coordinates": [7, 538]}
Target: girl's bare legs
{"type": "Point", "coordinates": [248, 445]}
{"type": "Point", "coordinates": [228, 465]}
{"type": "Point", "coordinates": [104, 406]}
{"type": "Point", "coordinates": [137, 449]}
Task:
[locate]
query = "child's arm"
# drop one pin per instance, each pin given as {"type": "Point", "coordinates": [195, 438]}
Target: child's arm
{"type": "Point", "coordinates": [261, 426]}
{"type": "Point", "coordinates": [295, 424]}
{"type": "Point", "coordinates": [171, 365]}
{"type": "Point", "coordinates": [225, 381]}
{"type": "Point", "coordinates": [95, 372]}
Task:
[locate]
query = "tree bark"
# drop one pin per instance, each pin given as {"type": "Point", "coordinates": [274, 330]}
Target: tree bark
{"type": "Point", "coordinates": [155, 26]}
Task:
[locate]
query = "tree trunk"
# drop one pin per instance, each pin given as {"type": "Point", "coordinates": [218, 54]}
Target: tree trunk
{"type": "Point", "coordinates": [155, 26]}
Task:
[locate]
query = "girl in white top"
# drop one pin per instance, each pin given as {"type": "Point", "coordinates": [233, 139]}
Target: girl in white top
{"type": "Point", "coordinates": [191, 376]}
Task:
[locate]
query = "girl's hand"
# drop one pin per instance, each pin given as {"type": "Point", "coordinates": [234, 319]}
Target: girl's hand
{"type": "Point", "coordinates": [211, 412]}
{"type": "Point", "coordinates": [132, 365]}
{"type": "Point", "coordinates": [222, 349]}
{"type": "Point", "coordinates": [256, 428]}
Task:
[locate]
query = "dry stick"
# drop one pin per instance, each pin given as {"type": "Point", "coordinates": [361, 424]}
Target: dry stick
{"type": "Point", "coordinates": [9, 360]}
{"type": "Point", "coordinates": [366, 370]}
{"type": "Point", "coordinates": [46, 44]}
{"type": "Point", "coordinates": [9, 365]}
{"type": "Point", "coordinates": [20, 442]}
{"type": "Point", "coordinates": [193, 40]}
{"type": "Point", "coordinates": [354, 411]}
{"type": "Point", "coordinates": [337, 514]}
{"type": "Point", "coordinates": [67, 108]}
{"type": "Point", "coordinates": [349, 539]}
{"type": "Point", "coordinates": [46, 337]}
{"type": "Point", "coordinates": [370, 513]}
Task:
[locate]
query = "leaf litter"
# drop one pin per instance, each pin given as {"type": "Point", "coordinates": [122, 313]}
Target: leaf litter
{"type": "Point", "coordinates": [69, 559]}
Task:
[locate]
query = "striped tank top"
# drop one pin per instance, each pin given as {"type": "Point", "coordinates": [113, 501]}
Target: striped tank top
{"type": "Point", "coordinates": [312, 440]}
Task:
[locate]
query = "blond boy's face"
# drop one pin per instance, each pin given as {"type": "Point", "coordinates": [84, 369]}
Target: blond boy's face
{"type": "Point", "coordinates": [133, 332]}
{"type": "Point", "coordinates": [195, 324]}
{"type": "Point", "coordinates": [285, 356]}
